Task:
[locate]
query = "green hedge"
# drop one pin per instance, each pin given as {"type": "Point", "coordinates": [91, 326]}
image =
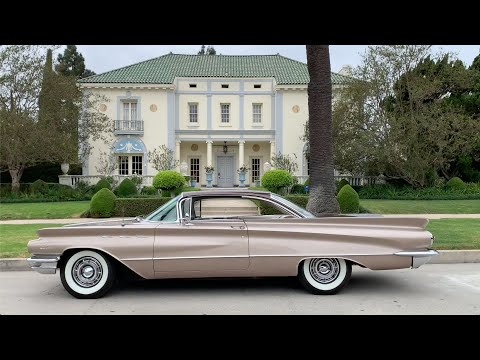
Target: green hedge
{"type": "Point", "coordinates": [348, 200]}
{"type": "Point", "coordinates": [102, 204]}
{"type": "Point", "coordinates": [102, 184]}
{"type": "Point", "coordinates": [455, 183]}
{"type": "Point", "coordinates": [126, 188]}
{"type": "Point", "coordinates": [138, 206]}
{"type": "Point", "coordinates": [276, 180]}
{"type": "Point", "coordinates": [471, 191]}
{"type": "Point", "coordinates": [168, 180]}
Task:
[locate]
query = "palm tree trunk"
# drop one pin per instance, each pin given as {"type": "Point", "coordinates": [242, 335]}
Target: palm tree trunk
{"type": "Point", "coordinates": [322, 200]}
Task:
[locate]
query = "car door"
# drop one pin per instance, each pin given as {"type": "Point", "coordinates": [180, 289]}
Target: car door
{"type": "Point", "coordinates": [201, 244]}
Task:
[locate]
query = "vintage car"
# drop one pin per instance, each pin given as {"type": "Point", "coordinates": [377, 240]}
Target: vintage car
{"type": "Point", "coordinates": [229, 233]}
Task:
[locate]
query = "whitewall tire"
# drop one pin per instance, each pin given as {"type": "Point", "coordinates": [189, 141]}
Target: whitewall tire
{"type": "Point", "coordinates": [324, 276]}
{"type": "Point", "coordinates": [87, 274]}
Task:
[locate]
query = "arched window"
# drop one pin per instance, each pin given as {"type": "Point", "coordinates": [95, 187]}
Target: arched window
{"type": "Point", "coordinates": [131, 156]}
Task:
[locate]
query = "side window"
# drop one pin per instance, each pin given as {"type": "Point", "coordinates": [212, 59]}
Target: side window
{"type": "Point", "coordinates": [232, 207]}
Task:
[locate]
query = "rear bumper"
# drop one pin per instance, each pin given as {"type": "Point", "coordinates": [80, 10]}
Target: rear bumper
{"type": "Point", "coordinates": [44, 264]}
{"type": "Point", "coordinates": [419, 257]}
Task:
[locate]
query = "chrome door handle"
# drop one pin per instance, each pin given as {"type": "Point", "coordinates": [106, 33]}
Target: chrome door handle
{"type": "Point", "coordinates": [188, 224]}
{"type": "Point", "coordinates": [241, 227]}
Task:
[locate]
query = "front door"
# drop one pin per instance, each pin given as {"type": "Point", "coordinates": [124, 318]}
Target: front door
{"type": "Point", "coordinates": [207, 245]}
{"type": "Point", "coordinates": [225, 171]}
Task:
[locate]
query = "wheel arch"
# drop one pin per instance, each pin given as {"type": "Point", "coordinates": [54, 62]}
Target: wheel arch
{"type": "Point", "coordinates": [353, 262]}
{"type": "Point", "coordinates": [120, 266]}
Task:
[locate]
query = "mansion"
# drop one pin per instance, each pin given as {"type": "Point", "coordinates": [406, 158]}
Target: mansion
{"type": "Point", "coordinates": [211, 110]}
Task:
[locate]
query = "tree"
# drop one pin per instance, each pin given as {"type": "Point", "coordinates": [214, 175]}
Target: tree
{"type": "Point", "coordinates": [68, 116]}
{"type": "Point", "coordinates": [210, 50]}
{"type": "Point", "coordinates": [72, 63]}
{"type": "Point", "coordinates": [162, 158]}
{"type": "Point", "coordinates": [285, 162]}
{"type": "Point", "coordinates": [405, 116]}
{"type": "Point", "coordinates": [20, 82]}
{"type": "Point", "coordinates": [322, 184]}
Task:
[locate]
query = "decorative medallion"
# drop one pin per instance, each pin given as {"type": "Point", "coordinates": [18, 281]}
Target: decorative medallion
{"type": "Point", "coordinates": [153, 108]}
{"type": "Point", "coordinates": [296, 108]}
{"type": "Point", "coordinates": [256, 147]}
{"type": "Point", "coordinates": [103, 107]}
{"type": "Point", "coordinates": [194, 147]}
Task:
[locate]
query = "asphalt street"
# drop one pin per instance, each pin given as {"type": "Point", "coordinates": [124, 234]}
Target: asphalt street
{"type": "Point", "coordinates": [431, 289]}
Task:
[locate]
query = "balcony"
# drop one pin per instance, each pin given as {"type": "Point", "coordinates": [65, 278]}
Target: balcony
{"type": "Point", "coordinates": [128, 127]}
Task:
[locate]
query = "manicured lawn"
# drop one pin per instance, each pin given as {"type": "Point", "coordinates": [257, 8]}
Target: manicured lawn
{"type": "Point", "coordinates": [45, 210]}
{"type": "Point", "coordinates": [421, 206]}
{"type": "Point", "coordinates": [450, 234]}
{"type": "Point", "coordinates": [14, 238]}
{"type": "Point", "coordinates": [455, 234]}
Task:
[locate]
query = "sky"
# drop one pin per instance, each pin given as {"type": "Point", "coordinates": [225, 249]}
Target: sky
{"type": "Point", "coordinates": [101, 58]}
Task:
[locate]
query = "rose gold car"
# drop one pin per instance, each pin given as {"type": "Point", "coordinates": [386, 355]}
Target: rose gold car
{"type": "Point", "coordinates": [236, 233]}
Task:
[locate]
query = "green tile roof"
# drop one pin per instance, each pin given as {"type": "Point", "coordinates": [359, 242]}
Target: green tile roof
{"type": "Point", "coordinates": [164, 69]}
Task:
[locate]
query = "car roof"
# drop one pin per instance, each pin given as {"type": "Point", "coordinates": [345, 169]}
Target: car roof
{"type": "Point", "coordinates": [239, 192]}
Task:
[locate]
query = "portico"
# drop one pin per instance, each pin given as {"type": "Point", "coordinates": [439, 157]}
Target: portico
{"type": "Point", "coordinates": [226, 157]}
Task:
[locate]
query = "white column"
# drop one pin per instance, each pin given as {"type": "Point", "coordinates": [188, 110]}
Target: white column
{"type": "Point", "coordinates": [241, 153]}
{"type": "Point", "coordinates": [272, 149]}
{"type": "Point", "coordinates": [209, 153]}
{"type": "Point", "coordinates": [177, 154]}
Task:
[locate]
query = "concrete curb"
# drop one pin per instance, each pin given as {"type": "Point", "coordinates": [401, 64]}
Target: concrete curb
{"type": "Point", "coordinates": [14, 264]}
{"type": "Point", "coordinates": [444, 257]}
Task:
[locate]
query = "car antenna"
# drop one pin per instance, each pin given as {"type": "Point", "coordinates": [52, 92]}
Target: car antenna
{"type": "Point", "coordinates": [123, 215]}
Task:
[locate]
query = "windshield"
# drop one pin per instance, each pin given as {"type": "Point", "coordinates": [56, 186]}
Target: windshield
{"type": "Point", "coordinates": [166, 212]}
{"type": "Point", "coordinates": [293, 206]}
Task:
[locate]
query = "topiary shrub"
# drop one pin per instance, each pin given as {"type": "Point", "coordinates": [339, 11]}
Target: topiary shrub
{"type": "Point", "coordinates": [39, 187]}
{"type": "Point", "coordinates": [276, 180]}
{"type": "Point", "coordinates": [102, 184]}
{"type": "Point", "coordinates": [149, 190]}
{"type": "Point", "coordinates": [348, 200]}
{"type": "Point", "coordinates": [341, 184]}
{"type": "Point", "coordinates": [168, 180]}
{"type": "Point", "coordinates": [126, 188]}
{"type": "Point", "coordinates": [455, 183]}
{"type": "Point", "coordinates": [102, 204]}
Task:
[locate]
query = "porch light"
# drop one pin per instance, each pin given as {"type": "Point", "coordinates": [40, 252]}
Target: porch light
{"type": "Point", "coordinates": [225, 147]}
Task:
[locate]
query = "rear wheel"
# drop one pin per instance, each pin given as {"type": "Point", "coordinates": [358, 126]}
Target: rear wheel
{"type": "Point", "coordinates": [324, 276]}
{"type": "Point", "coordinates": [87, 274]}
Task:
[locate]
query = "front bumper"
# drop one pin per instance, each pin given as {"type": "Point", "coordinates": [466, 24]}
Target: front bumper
{"type": "Point", "coordinates": [419, 257]}
{"type": "Point", "coordinates": [44, 264]}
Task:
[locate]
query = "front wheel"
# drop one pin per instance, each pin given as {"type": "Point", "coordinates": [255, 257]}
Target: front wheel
{"type": "Point", "coordinates": [87, 274]}
{"type": "Point", "coordinates": [324, 276]}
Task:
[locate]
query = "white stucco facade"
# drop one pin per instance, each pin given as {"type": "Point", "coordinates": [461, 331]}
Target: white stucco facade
{"type": "Point", "coordinates": [254, 117]}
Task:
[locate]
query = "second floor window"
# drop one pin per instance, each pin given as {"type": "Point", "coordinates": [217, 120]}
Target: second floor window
{"type": "Point", "coordinates": [193, 113]}
{"type": "Point", "coordinates": [225, 112]}
{"type": "Point", "coordinates": [129, 111]}
{"type": "Point", "coordinates": [257, 113]}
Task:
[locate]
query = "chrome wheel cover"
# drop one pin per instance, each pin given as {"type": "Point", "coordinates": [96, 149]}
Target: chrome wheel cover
{"type": "Point", "coordinates": [87, 272]}
{"type": "Point", "coordinates": [324, 271]}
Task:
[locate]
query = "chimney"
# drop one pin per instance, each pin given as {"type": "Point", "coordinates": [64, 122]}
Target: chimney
{"type": "Point", "coordinates": [346, 70]}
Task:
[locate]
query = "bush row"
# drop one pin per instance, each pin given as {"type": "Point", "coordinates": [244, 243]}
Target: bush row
{"type": "Point", "coordinates": [389, 192]}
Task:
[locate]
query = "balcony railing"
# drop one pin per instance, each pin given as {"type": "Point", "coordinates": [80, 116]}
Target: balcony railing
{"type": "Point", "coordinates": [128, 127]}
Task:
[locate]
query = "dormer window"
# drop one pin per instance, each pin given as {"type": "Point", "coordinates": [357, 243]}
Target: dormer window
{"type": "Point", "coordinates": [224, 86]}
{"type": "Point", "coordinates": [193, 85]}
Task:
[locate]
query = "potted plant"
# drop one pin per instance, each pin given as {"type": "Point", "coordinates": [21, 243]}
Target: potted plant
{"type": "Point", "coordinates": [209, 173]}
{"type": "Point", "coordinates": [241, 174]}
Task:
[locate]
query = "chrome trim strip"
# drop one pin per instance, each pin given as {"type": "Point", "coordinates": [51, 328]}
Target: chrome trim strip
{"type": "Point", "coordinates": [417, 253]}
{"type": "Point", "coordinates": [43, 260]}
{"type": "Point", "coordinates": [187, 257]}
